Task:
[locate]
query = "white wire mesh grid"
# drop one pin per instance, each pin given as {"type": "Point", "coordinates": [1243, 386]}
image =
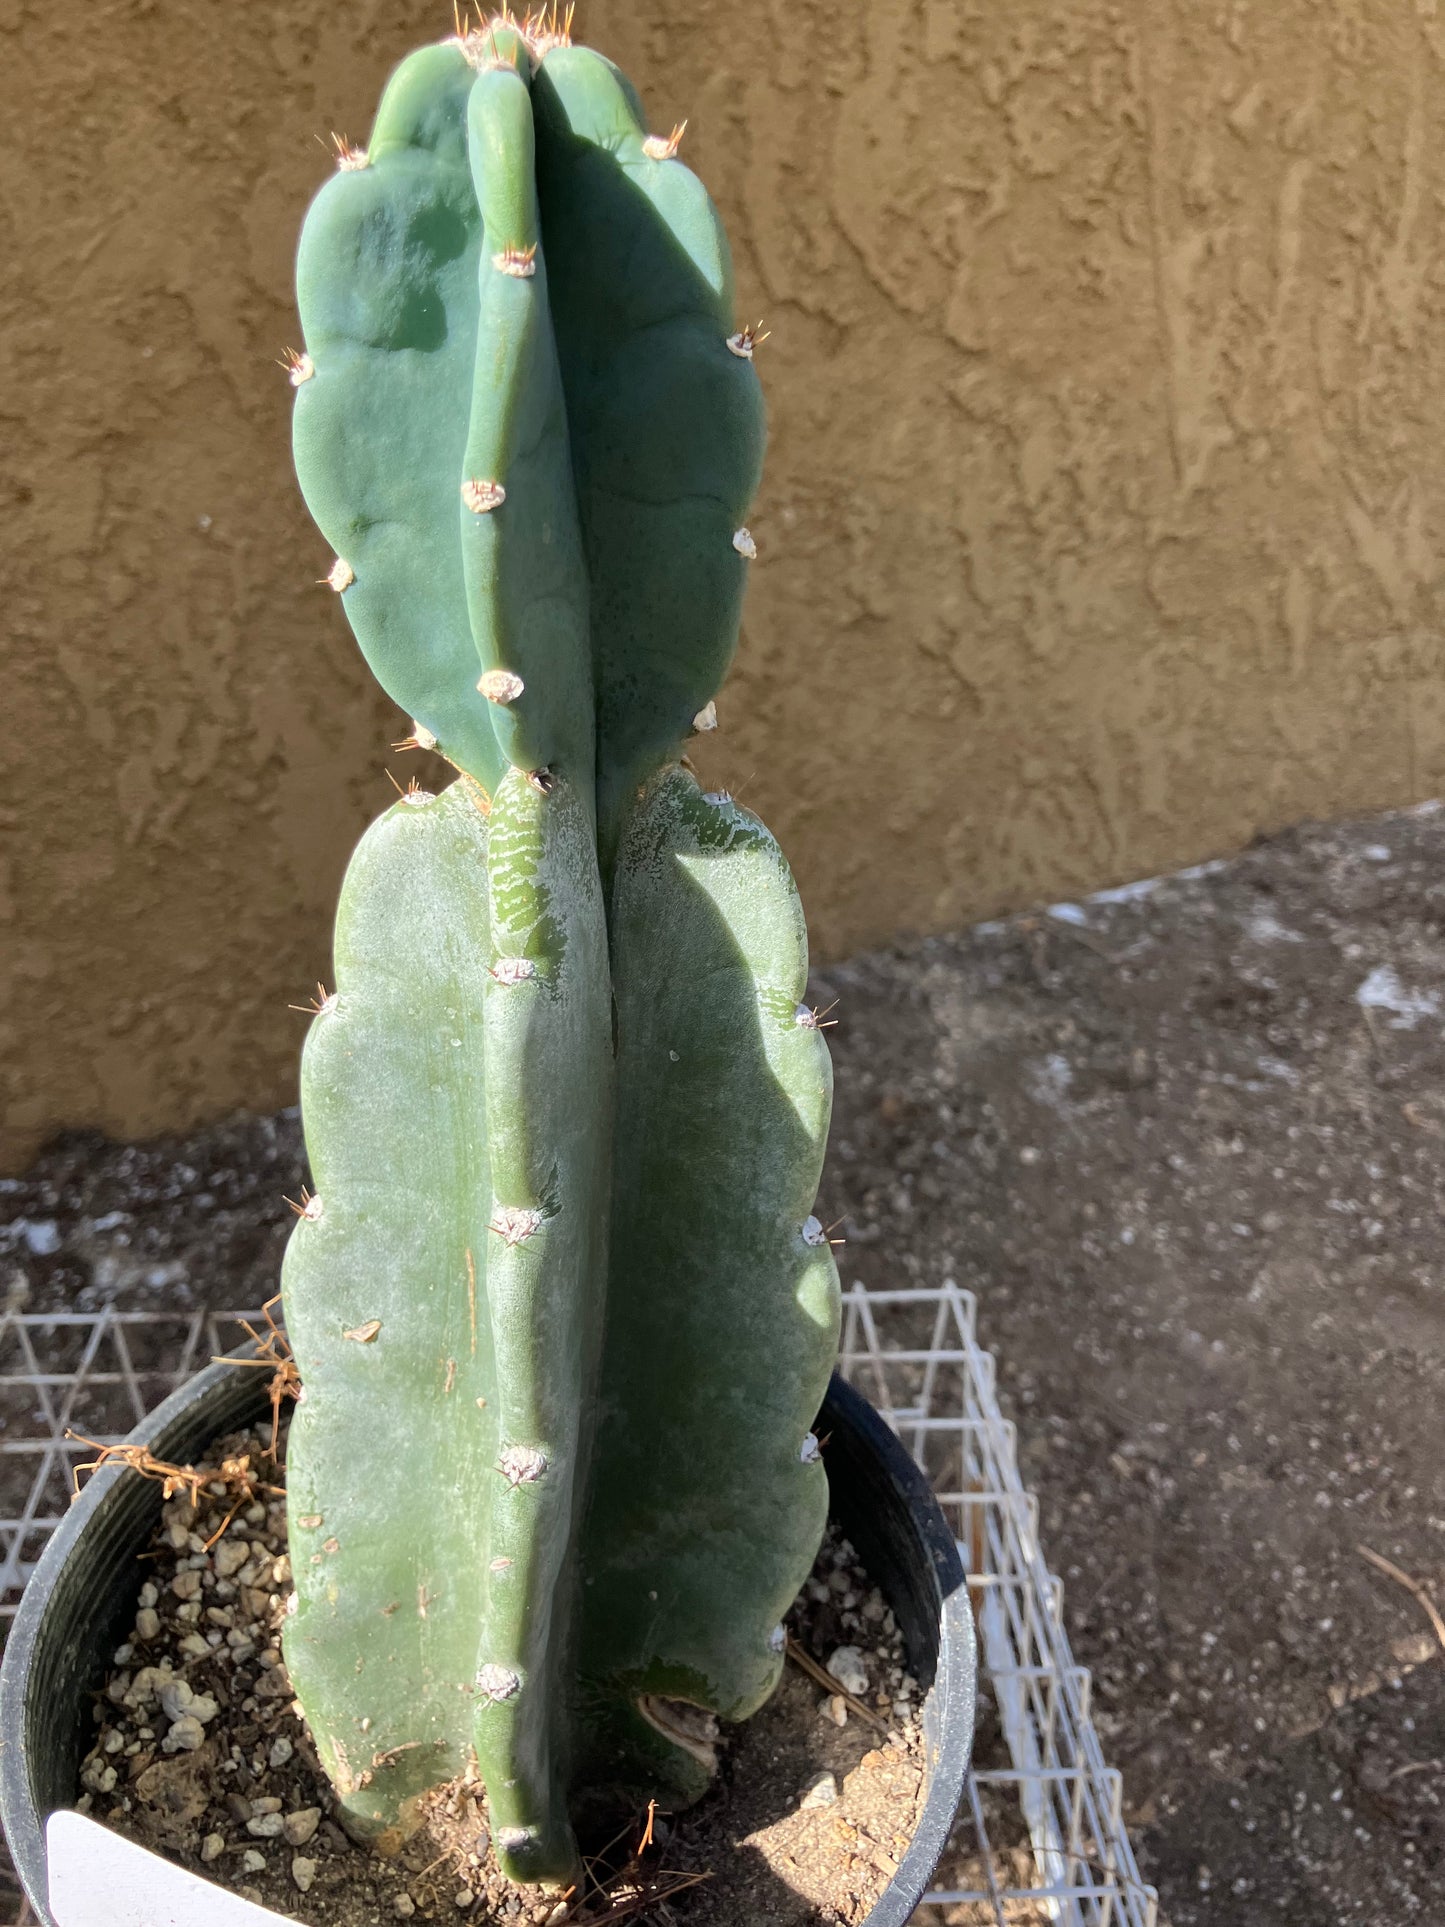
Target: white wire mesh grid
{"type": "Point", "coordinates": [1041, 1839]}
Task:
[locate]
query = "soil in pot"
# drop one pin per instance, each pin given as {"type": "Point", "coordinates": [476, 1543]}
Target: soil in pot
{"type": "Point", "coordinates": [201, 1756]}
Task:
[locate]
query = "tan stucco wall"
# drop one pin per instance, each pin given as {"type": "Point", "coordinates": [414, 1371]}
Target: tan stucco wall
{"type": "Point", "coordinates": [1100, 523]}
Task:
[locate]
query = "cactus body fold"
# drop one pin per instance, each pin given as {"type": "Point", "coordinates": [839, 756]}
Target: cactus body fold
{"type": "Point", "coordinates": [384, 1645]}
{"type": "Point", "coordinates": [561, 1314]}
{"type": "Point", "coordinates": [703, 1520]}
{"type": "Point", "coordinates": [549, 1087]}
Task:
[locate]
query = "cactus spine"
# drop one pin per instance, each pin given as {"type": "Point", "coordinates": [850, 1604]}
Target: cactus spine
{"type": "Point", "coordinates": [560, 1320]}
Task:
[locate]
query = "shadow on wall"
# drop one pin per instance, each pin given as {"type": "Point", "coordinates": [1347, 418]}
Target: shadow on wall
{"type": "Point", "coordinates": [1097, 531]}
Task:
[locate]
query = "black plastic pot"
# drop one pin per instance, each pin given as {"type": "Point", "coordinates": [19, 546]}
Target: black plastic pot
{"type": "Point", "coordinates": [80, 1603]}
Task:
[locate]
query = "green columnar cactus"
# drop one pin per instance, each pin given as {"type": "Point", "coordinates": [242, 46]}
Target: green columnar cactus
{"type": "Point", "coordinates": [560, 1307]}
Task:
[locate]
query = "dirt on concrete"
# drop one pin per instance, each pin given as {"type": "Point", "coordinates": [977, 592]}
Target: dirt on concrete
{"type": "Point", "coordinates": [1184, 1142]}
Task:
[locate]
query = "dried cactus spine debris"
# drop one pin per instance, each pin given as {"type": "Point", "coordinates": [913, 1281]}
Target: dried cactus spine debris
{"type": "Point", "coordinates": [515, 1223]}
{"type": "Point", "coordinates": [498, 1682]}
{"type": "Point", "coordinates": [482, 497]}
{"type": "Point", "coordinates": [746, 340]}
{"type": "Point", "coordinates": [522, 1464]}
{"type": "Point", "coordinates": [500, 686]}
{"type": "Point", "coordinates": [486, 401]}
{"type": "Point", "coordinates": [662, 147]}
{"type": "Point", "coordinates": [518, 262]}
{"type": "Point", "coordinates": [349, 159]}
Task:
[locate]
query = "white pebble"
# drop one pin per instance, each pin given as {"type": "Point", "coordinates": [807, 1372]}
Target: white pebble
{"type": "Point", "coordinates": [185, 1736]}
{"type": "Point", "coordinates": [299, 1826]}
{"type": "Point", "coordinates": [147, 1623]}
{"type": "Point", "coordinates": [230, 1556]}
{"type": "Point", "coordinates": [822, 1792]}
{"type": "Point", "coordinates": [179, 1700]}
{"type": "Point", "coordinates": [303, 1871]}
{"type": "Point", "coordinates": [212, 1847]}
{"type": "Point", "coordinates": [846, 1666]}
{"type": "Point", "coordinates": [403, 1906]}
{"type": "Point", "coordinates": [265, 1826]}
{"type": "Point", "coordinates": [253, 1862]}
{"type": "Point", "coordinates": [281, 1751]}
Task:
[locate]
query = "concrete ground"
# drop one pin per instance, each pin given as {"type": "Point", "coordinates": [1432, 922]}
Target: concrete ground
{"type": "Point", "coordinates": [1185, 1143]}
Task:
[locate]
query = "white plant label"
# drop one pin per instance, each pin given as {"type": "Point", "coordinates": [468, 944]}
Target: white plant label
{"type": "Point", "coordinates": [99, 1879]}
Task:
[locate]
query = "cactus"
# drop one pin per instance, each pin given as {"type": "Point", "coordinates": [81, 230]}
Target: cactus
{"type": "Point", "coordinates": [560, 1308]}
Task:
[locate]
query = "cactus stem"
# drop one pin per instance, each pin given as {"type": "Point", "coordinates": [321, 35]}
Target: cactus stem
{"type": "Point", "coordinates": [515, 1223]}
{"type": "Point", "coordinates": [744, 544]}
{"type": "Point", "coordinates": [498, 1682]}
{"type": "Point", "coordinates": [501, 686]}
{"type": "Point", "coordinates": [420, 738]}
{"type": "Point", "coordinates": [513, 970]}
{"type": "Point", "coordinates": [339, 576]}
{"type": "Point", "coordinates": [349, 159]}
{"type": "Point", "coordinates": [662, 147]}
{"type": "Point", "coordinates": [320, 1004]}
{"type": "Point", "coordinates": [309, 1206]}
{"type": "Point", "coordinates": [745, 340]}
{"type": "Point", "coordinates": [364, 1334]}
{"type": "Point", "coordinates": [521, 263]}
{"type": "Point", "coordinates": [522, 1464]}
{"type": "Point", "coordinates": [809, 1452]}
{"type": "Point", "coordinates": [808, 1018]}
{"type": "Point", "coordinates": [481, 497]}
{"type": "Point", "coordinates": [705, 719]}
{"type": "Point", "coordinates": [298, 368]}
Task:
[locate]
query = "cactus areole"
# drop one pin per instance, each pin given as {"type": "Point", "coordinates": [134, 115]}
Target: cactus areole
{"type": "Point", "coordinates": [562, 1314]}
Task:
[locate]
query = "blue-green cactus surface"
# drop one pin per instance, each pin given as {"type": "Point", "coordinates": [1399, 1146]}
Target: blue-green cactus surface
{"type": "Point", "coordinates": [560, 1307]}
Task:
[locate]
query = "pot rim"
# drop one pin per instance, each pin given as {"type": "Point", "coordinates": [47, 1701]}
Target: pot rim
{"type": "Point", "coordinates": [948, 1710]}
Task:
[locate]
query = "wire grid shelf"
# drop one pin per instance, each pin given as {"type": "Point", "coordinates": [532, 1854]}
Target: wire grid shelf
{"type": "Point", "coordinates": [1041, 1838]}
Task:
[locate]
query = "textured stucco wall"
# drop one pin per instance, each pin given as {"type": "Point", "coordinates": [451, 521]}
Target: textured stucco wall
{"type": "Point", "coordinates": [1099, 527]}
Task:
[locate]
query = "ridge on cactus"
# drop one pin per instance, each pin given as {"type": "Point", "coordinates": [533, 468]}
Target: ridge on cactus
{"type": "Point", "coordinates": [562, 1314]}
